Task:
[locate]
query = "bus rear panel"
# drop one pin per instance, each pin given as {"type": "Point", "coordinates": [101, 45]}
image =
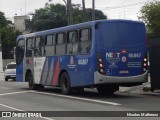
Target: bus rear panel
{"type": "Point", "coordinates": [121, 46]}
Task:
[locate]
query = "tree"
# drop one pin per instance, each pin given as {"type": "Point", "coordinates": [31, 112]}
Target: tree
{"type": "Point", "coordinates": [150, 14]}
{"type": "Point", "coordinates": [51, 16]}
{"type": "Point", "coordinates": [54, 16]}
{"type": "Point", "coordinates": [8, 37]}
{"type": "Point", "coordinates": [77, 14]}
{"type": "Point", "coordinates": [3, 20]}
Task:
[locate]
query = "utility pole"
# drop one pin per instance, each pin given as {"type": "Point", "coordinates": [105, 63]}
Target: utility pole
{"type": "Point", "coordinates": [84, 11]}
{"type": "Point", "coordinates": [25, 7]}
{"type": "Point", "coordinates": [1, 61]}
{"type": "Point", "coordinates": [70, 13]}
{"type": "Point", "coordinates": [93, 9]}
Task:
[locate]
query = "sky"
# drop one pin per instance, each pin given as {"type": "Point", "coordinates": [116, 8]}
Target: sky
{"type": "Point", "coordinates": [114, 9]}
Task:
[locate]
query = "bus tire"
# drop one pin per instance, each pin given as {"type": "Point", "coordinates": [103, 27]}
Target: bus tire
{"type": "Point", "coordinates": [107, 89]}
{"type": "Point", "coordinates": [39, 86]}
{"type": "Point", "coordinates": [65, 83]}
{"type": "Point", "coordinates": [31, 84]}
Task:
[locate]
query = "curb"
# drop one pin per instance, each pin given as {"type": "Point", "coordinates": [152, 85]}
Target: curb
{"type": "Point", "coordinates": [147, 88]}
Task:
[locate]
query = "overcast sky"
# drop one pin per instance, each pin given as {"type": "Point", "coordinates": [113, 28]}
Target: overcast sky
{"type": "Point", "coordinates": [114, 9]}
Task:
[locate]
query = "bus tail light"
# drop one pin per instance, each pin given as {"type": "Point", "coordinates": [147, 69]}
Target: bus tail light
{"type": "Point", "coordinates": [100, 64]}
{"type": "Point", "coordinates": [124, 51]}
{"type": "Point", "coordinates": [144, 65]}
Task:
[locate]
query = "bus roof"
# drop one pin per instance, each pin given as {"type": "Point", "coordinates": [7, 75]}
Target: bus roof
{"type": "Point", "coordinates": [71, 27]}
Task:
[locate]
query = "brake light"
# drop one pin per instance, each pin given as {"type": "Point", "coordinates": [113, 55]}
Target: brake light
{"type": "Point", "coordinates": [100, 64]}
{"type": "Point", "coordinates": [144, 65]}
{"type": "Point", "coordinates": [123, 51]}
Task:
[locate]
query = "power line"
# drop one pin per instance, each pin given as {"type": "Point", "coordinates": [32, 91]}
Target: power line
{"type": "Point", "coordinates": [124, 1]}
{"type": "Point", "coordinates": [128, 5]}
{"type": "Point", "coordinates": [17, 6]}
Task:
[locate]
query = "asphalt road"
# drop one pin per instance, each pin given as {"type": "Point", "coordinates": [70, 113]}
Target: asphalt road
{"type": "Point", "coordinates": [16, 96]}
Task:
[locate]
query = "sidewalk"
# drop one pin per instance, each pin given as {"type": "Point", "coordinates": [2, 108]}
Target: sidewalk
{"type": "Point", "coordinates": [140, 89]}
{"type": "Point", "coordinates": [147, 87]}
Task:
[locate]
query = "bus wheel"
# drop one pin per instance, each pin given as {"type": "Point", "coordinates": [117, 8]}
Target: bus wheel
{"type": "Point", "coordinates": [39, 86]}
{"type": "Point", "coordinates": [65, 83]}
{"type": "Point", "coordinates": [31, 84]}
{"type": "Point", "coordinates": [107, 89]}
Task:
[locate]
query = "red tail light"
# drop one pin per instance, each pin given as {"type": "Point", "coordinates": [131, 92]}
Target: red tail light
{"type": "Point", "coordinates": [123, 51]}
{"type": "Point", "coordinates": [144, 65]}
{"type": "Point", "coordinates": [100, 64]}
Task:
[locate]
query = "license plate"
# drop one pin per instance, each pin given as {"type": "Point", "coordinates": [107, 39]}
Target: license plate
{"type": "Point", "coordinates": [123, 71]}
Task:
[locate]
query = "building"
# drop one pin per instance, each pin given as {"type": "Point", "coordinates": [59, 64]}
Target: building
{"type": "Point", "coordinates": [19, 23]}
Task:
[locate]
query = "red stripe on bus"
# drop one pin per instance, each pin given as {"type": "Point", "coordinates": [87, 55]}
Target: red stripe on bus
{"type": "Point", "coordinates": [55, 75]}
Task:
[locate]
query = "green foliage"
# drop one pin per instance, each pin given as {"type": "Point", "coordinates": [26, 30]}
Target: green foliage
{"type": "Point", "coordinates": [8, 39]}
{"type": "Point", "coordinates": [150, 14]}
{"type": "Point", "coordinates": [51, 16]}
{"type": "Point", "coordinates": [54, 16]}
{"type": "Point", "coordinates": [78, 18]}
{"type": "Point", "coordinates": [3, 20]}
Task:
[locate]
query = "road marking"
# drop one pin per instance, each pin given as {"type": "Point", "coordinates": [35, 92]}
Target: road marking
{"type": "Point", "coordinates": [22, 110]}
{"type": "Point", "coordinates": [78, 98]}
{"type": "Point", "coordinates": [14, 93]}
{"type": "Point", "coordinates": [4, 87]}
{"type": "Point", "coordinates": [10, 107]}
{"type": "Point", "coordinates": [65, 96]}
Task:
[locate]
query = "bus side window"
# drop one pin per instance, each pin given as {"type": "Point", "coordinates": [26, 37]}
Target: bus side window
{"type": "Point", "coordinates": [39, 46]}
{"type": "Point", "coordinates": [75, 48]}
{"type": "Point", "coordinates": [85, 41]}
{"type": "Point", "coordinates": [49, 47]}
{"type": "Point", "coordinates": [36, 48]}
{"type": "Point", "coordinates": [29, 49]}
{"type": "Point", "coordinates": [60, 44]}
{"type": "Point", "coordinates": [71, 42]}
{"type": "Point", "coordinates": [20, 51]}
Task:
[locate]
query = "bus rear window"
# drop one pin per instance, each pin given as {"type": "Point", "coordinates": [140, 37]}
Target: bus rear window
{"type": "Point", "coordinates": [120, 34]}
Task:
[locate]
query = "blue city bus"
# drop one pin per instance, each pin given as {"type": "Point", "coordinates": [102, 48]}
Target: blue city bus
{"type": "Point", "coordinates": [104, 54]}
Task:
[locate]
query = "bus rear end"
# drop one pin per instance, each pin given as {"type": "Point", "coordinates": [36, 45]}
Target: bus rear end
{"type": "Point", "coordinates": [121, 53]}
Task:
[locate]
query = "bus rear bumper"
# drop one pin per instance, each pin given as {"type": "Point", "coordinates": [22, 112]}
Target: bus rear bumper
{"type": "Point", "coordinates": [101, 79]}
